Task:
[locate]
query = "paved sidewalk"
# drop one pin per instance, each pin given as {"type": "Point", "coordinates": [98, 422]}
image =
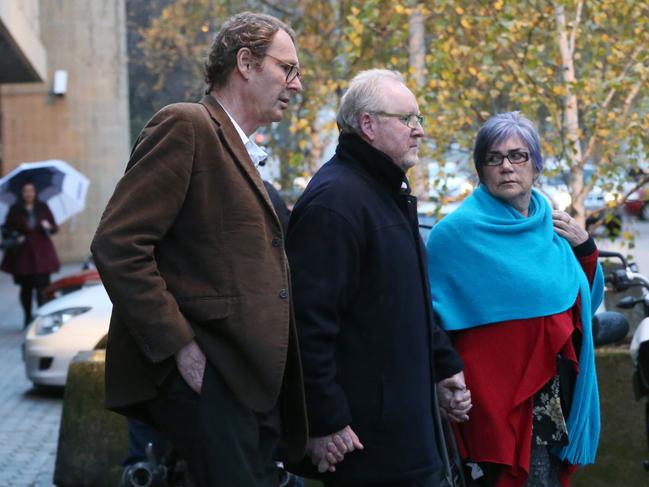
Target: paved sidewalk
{"type": "Point", "coordinates": [29, 418]}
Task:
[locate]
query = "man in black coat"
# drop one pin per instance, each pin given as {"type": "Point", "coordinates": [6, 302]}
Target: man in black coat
{"type": "Point", "coordinates": [371, 349]}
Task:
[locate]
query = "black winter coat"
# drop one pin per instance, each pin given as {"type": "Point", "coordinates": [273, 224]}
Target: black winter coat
{"type": "Point", "coordinates": [371, 349]}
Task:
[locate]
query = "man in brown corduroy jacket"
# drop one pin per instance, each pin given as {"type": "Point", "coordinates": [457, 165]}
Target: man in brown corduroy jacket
{"type": "Point", "coordinates": [202, 341]}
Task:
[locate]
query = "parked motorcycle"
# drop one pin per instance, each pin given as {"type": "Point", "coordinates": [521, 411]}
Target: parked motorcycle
{"type": "Point", "coordinates": [622, 279]}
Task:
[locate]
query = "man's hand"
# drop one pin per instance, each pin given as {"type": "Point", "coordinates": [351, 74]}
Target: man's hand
{"type": "Point", "coordinates": [46, 225]}
{"type": "Point", "coordinates": [568, 228]}
{"type": "Point", "coordinates": [190, 361]}
{"type": "Point", "coordinates": [327, 451]}
{"type": "Point", "coordinates": [455, 398]}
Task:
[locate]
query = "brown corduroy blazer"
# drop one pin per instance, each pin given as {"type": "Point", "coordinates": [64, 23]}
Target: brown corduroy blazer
{"type": "Point", "coordinates": [189, 247]}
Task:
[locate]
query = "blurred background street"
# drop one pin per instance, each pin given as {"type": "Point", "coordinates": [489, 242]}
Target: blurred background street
{"type": "Point", "coordinates": [640, 252]}
{"type": "Point", "coordinates": [29, 427]}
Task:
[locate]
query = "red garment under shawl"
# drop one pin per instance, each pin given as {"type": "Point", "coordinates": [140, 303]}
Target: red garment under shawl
{"type": "Point", "coordinates": [505, 365]}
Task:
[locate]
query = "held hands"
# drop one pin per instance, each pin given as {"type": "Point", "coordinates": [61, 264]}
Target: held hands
{"type": "Point", "coordinates": [454, 398]}
{"type": "Point", "coordinates": [190, 361]}
{"type": "Point", "coordinates": [327, 451]}
{"type": "Point", "coordinates": [568, 228]}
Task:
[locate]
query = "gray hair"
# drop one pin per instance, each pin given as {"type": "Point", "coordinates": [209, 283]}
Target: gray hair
{"type": "Point", "coordinates": [501, 127]}
{"type": "Point", "coordinates": [363, 95]}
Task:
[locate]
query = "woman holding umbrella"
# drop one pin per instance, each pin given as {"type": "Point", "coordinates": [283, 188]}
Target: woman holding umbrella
{"type": "Point", "coordinates": [33, 258]}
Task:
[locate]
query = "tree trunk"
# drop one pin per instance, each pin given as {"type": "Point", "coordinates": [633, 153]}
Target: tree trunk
{"type": "Point", "coordinates": [416, 45]}
{"type": "Point", "coordinates": [417, 65]}
{"type": "Point", "coordinates": [571, 110]}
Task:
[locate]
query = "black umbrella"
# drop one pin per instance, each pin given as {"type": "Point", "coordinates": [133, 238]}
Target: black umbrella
{"type": "Point", "coordinates": [57, 183]}
{"type": "Point", "coordinates": [42, 178]}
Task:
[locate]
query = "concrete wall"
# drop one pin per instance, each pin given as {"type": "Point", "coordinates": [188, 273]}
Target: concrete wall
{"type": "Point", "coordinates": [22, 54]}
{"type": "Point", "coordinates": [88, 126]}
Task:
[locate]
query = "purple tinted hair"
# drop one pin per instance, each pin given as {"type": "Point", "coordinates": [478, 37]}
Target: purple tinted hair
{"type": "Point", "coordinates": [501, 127]}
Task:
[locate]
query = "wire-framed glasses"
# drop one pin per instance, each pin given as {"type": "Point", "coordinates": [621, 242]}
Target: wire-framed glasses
{"type": "Point", "coordinates": [292, 71]}
{"type": "Point", "coordinates": [410, 120]}
{"type": "Point", "coordinates": [515, 157]}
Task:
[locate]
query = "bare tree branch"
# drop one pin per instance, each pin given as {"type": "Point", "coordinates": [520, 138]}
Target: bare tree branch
{"type": "Point", "coordinates": [633, 92]}
{"type": "Point", "coordinates": [609, 98]}
{"type": "Point", "coordinates": [575, 27]}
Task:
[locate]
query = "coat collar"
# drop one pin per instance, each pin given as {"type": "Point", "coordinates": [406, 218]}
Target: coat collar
{"type": "Point", "coordinates": [376, 164]}
{"type": "Point", "coordinates": [232, 141]}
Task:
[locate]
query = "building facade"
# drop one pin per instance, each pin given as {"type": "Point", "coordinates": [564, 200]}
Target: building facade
{"type": "Point", "coordinates": [86, 122]}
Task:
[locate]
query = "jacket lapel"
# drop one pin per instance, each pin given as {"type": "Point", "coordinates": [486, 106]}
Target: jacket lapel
{"type": "Point", "coordinates": [232, 141]}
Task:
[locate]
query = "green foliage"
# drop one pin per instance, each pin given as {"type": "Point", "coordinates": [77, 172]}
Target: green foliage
{"type": "Point", "coordinates": [482, 57]}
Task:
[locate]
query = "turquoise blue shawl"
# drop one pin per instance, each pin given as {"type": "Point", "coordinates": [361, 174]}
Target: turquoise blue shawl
{"type": "Point", "coordinates": [488, 263]}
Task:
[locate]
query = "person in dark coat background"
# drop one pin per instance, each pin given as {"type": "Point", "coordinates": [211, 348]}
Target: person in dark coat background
{"type": "Point", "coordinates": [33, 258]}
{"type": "Point", "coordinates": [370, 346]}
{"type": "Point", "coordinates": [283, 213]}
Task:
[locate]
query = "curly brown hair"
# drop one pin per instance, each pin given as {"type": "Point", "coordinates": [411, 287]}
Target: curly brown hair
{"type": "Point", "coordinates": [247, 29]}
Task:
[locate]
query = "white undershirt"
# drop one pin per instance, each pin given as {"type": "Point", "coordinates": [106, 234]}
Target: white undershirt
{"type": "Point", "coordinates": [256, 153]}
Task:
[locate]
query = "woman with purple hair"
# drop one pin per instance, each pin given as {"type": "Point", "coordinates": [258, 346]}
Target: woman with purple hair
{"type": "Point", "coordinates": [516, 284]}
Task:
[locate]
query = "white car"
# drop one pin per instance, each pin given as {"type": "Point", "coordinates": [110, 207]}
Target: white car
{"type": "Point", "coordinates": [63, 327]}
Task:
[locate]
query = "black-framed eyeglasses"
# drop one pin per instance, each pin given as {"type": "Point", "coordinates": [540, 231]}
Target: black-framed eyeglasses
{"type": "Point", "coordinates": [292, 70]}
{"type": "Point", "coordinates": [410, 120]}
{"type": "Point", "coordinates": [515, 157]}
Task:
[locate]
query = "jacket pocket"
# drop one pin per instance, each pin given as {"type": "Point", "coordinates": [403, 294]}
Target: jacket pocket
{"type": "Point", "coordinates": [206, 308]}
